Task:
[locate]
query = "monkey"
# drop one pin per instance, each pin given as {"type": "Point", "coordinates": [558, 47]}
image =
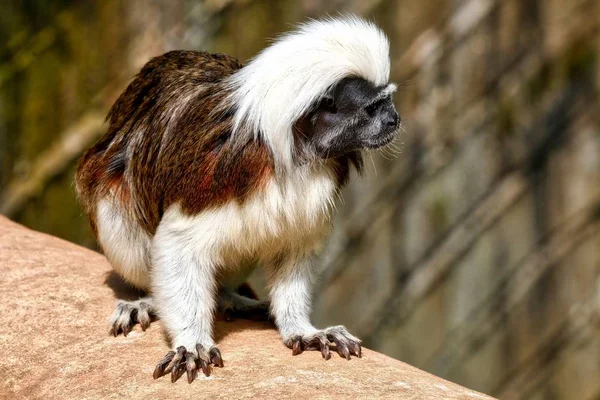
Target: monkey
{"type": "Point", "coordinates": [210, 168]}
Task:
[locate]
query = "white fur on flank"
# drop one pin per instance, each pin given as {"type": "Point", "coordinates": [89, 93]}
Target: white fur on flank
{"type": "Point", "coordinates": [290, 214]}
{"type": "Point", "coordinates": [125, 243]}
{"type": "Point", "coordinates": [281, 84]}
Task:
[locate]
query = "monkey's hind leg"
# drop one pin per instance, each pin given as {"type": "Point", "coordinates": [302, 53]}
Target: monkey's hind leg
{"type": "Point", "coordinates": [129, 313]}
{"type": "Point", "coordinates": [232, 305]}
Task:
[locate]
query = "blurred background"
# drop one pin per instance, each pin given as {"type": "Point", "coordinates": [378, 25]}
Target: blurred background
{"type": "Point", "coordinates": [473, 253]}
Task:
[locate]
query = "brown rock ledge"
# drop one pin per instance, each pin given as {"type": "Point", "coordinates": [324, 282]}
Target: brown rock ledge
{"type": "Point", "coordinates": [54, 301]}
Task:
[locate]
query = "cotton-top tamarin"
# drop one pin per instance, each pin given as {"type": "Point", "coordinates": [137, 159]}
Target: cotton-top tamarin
{"type": "Point", "coordinates": [210, 167]}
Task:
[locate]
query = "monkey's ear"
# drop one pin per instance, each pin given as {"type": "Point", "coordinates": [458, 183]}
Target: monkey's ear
{"type": "Point", "coordinates": [325, 104]}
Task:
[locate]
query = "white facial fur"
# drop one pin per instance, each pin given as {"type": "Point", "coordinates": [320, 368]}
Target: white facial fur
{"type": "Point", "coordinates": [280, 85]}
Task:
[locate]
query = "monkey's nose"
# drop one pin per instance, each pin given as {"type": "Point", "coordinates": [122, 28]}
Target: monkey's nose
{"type": "Point", "coordinates": [392, 120]}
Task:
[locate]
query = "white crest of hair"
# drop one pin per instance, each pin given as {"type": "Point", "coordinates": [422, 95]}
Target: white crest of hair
{"type": "Point", "coordinates": [281, 84]}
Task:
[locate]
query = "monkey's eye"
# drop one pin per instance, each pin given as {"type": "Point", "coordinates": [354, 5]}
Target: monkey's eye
{"type": "Point", "coordinates": [372, 108]}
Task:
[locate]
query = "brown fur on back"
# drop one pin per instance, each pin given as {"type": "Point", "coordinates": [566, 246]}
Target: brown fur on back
{"type": "Point", "coordinates": [165, 143]}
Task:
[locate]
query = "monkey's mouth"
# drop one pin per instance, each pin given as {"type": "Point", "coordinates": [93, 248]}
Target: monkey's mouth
{"type": "Point", "coordinates": [380, 141]}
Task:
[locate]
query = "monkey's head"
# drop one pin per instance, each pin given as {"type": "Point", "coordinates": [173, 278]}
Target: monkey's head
{"type": "Point", "coordinates": [355, 114]}
{"type": "Point", "coordinates": [320, 91]}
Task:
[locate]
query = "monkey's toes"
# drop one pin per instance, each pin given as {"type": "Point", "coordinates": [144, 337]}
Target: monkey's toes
{"type": "Point", "coordinates": [316, 342]}
{"type": "Point", "coordinates": [345, 343]}
{"type": "Point", "coordinates": [128, 313]}
{"type": "Point", "coordinates": [180, 361]}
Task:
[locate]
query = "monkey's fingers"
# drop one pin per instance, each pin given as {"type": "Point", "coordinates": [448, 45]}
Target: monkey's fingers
{"type": "Point", "coordinates": [317, 342]}
{"type": "Point", "coordinates": [320, 342]}
{"type": "Point", "coordinates": [127, 314]}
{"type": "Point", "coordinates": [205, 367]}
{"type": "Point", "coordinates": [177, 371]}
{"type": "Point", "coordinates": [297, 345]}
{"type": "Point", "coordinates": [206, 358]}
{"type": "Point", "coordinates": [325, 350]}
{"type": "Point", "coordinates": [356, 350]}
{"type": "Point", "coordinates": [191, 367]}
{"type": "Point", "coordinates": [161, 367]}
{"type": "Point", "coordinates": [346, 347]}
{"type": "Point", "coordinates": [177, 365]}
{"type": "Point", "coordinates": [182, 361]}
{"type": "Point", "coordinates": [202, 359]}
{"type": "Point", "coordinates": [143, 316]}
{"type": "Point", "coordinates": [122, 320]}
{"type": "Point", "coordinates": [352, 347]}
{"type": "Point", "coordinates": [342, 349]}
{"type": "Point", "coordinates": [215, 357]}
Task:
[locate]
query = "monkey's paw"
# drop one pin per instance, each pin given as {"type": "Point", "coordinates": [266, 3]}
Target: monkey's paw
{"type": "Point", "coordinates": [180, 361]}
{"type": "Point", "coordinates": [128, 313]}
{"type": "Point", "coordinates": [345, 343]}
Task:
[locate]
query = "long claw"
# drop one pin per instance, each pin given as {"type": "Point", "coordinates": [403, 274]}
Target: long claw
{"type": "Point", "coordinates": [177, 372]}
{"type": "Point", "coordinates": [160, 367]}
{"type": "Point", "coordinates": [143, 318]}
{"type": "Point", "coordinates": [190, 367]}
{"type": "Point", "coordinates": [346, 345]}
{"type": "Point", "coordinates": [176, 359]}
{"type": "Point", "coordinates": [129, 313]}
{"type": "Point", "coordinates": [205, 368]}
{"type": "Point", "coordinates": [297, 347]}
{"type": "Point", "coordinates": [191, 375]}
{"type": "Point", "coordinates": [342, 349]}
{"type": "Point", "coordinates": [215, 357]}
{"type": "Point", "coordinates": [177, 365]}
{"type": "Point", "coordinates": [126, 329]}
{"type": "Point", "coordinates": [325, 351]}
{"type": "Point", "coordinates": [182, 361]}
{"type": "Point", "coordinates": [357, 351]}
{"type": "Point", "coordinates": [144, 325]}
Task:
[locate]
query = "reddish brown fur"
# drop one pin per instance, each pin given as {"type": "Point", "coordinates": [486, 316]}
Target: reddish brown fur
{"type": "Point", "coordinates": [189, 159]}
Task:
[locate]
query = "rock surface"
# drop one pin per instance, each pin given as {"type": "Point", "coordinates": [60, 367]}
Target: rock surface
{"type": "Point", "coordinates": [54, 301]}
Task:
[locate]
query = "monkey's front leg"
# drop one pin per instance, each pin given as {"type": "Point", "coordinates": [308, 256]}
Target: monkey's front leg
{"type": "Point", "coordinates": [291, 286]}
{"type": "Point", "coordinates": [184, 287]}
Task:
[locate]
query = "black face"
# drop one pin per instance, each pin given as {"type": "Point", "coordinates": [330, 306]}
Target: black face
{"type": "Point", "coordinates": [358, 115]}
